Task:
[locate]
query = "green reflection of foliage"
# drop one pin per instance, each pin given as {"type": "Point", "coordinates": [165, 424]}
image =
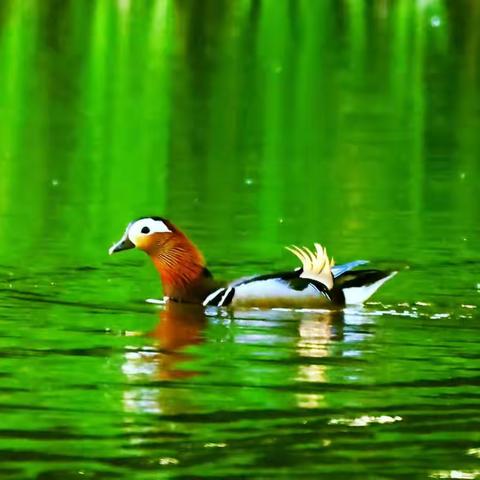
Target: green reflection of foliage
{"type": "Point", "coordinates": [276, 116]}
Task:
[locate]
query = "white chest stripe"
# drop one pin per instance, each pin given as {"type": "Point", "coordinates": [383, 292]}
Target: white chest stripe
{"type": "Point", "coordinates": [212, 296]}
{"type": "Point", "coordinates": [225, 295]}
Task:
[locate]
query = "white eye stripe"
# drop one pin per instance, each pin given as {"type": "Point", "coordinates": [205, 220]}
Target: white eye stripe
{"type": "Point", "coordinates": [153, 226]}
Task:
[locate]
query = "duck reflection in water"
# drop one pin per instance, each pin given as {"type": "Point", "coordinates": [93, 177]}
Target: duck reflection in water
{"type": "Point", "coordinates": [317, 334]}
{"type": "Point", "coordinates": [320, 338]}
{"type": "Point", "coordinates": [179, 326]}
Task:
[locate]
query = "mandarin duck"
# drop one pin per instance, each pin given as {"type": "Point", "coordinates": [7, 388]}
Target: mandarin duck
{"type": "Point", "coordinates": [317, 283]}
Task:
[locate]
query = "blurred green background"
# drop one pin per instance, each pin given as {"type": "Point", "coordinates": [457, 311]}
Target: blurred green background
{"type": "Point", "coordinates": [251, 124]}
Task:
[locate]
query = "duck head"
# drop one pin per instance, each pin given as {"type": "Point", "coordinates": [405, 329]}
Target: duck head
{"type": "Point", "coordinates": [178, 261]}
{"type": "Point", "coordinates": [146, 233]}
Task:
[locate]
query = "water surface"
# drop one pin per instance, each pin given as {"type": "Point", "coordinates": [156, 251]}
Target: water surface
{"type": "Point", "coordinates": [251, 125]}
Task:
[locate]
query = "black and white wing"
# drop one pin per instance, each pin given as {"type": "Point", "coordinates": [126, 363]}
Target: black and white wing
{"type": "Point", "coordinates": [278, 289]}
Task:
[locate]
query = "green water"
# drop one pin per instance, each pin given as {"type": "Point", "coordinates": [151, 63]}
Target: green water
{"type": "Point", "coordinates": [251, 125]}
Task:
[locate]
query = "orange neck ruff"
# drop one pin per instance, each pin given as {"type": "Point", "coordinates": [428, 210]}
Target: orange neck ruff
{"type": "Point", "coordinates": [180, 265]}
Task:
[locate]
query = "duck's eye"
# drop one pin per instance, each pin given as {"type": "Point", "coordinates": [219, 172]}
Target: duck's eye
{"type": "Point", "coordinates": [145, 230]}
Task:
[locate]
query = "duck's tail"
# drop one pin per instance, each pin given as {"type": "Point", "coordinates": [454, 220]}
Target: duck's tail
{"type": "Point", "coordinates": [359, 285]}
